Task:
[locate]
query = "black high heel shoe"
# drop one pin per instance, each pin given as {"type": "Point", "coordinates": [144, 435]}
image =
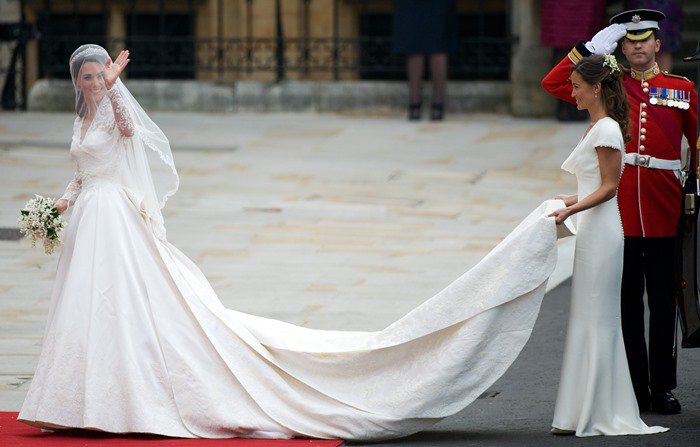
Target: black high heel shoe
{"type": "Point", "coordinates": [414, 111]}
{"type": "Point", "coordinates": [437, 112]}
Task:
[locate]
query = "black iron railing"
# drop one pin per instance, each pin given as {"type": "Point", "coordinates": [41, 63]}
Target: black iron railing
{"type": "Point", "coordinates": [369, 58]}
{"type": "Point", "coordinates": [163, 43]}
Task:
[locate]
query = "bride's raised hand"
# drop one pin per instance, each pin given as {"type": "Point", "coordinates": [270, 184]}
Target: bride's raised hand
{"type": "Point", "coordinates": [113, 69]}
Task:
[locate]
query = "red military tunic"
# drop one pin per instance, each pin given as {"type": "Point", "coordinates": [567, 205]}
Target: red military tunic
{"type": "Point", "coordinates": [649, 199]}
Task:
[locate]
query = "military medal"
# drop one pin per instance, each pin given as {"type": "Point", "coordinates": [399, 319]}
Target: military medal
{"type": "Point", "coordinates": [653, 96]}
{"type": "Point", "coordinates": [674, 101]}
{"type": "Point", "coordinates": [685, 101]}
{"type": "Point", "coordinates": [669, 97]}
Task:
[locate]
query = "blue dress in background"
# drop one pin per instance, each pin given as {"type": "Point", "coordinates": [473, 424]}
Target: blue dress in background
{"type": "Point", "coordinates": [424, 26]}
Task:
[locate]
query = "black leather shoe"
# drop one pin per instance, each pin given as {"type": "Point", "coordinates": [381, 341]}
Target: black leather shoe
{"type": "Point", "coordinates": [664, 402]}
{"type": "Point", "coordinates": [560, 432]}
{"type": "Point", "coordinates": [437, 112]}
{"type": "Point", "coordinates": [414, 111]}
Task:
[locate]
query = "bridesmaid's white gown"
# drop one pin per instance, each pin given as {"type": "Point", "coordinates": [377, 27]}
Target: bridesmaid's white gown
{"type": "Point", "coordinates": [595, 394]}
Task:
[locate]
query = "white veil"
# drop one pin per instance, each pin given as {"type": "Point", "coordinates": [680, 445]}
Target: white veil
{"type": "Point", "coordinates": [149, 173]}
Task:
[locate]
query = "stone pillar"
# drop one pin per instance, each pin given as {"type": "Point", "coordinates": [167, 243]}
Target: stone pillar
{"type": "Point", "coordinates": [530, 62]}
{"type": "Point", "coordinates": [116, 28]}
{"type": "Point", "coordinates": [10, 14]}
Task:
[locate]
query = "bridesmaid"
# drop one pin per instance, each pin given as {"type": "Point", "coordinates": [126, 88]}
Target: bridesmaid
{"type": "Point", "coordinates": [595, 391]}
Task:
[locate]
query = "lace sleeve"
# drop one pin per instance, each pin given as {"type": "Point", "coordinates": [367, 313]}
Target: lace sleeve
{"type": "Point", "coordinates": [73, 190]}
{"type": "Point", "coordinates": [121, 115]}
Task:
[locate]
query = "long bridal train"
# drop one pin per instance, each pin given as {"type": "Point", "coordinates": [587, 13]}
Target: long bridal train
{"type": "Point", "coordinates": [137, 341]}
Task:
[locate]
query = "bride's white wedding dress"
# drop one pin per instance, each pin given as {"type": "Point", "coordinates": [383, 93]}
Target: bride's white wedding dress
{"type": "Point", "coordinates": [595, 394]}
{"type": "Point", "coordinates": [137, 340]}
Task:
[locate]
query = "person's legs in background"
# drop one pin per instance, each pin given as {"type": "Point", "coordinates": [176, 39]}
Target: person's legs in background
{"type": "Point", "coordinates": [415, 65]}
{"type": "Point", "coordinates": [438, 76]}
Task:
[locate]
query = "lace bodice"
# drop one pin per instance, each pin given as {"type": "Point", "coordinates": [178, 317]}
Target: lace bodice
{"type": "Point", "coordinates": [98, 154]}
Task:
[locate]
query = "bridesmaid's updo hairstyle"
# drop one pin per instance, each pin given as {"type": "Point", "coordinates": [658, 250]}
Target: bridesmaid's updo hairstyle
{"type": "Point", "coordinates": [603, 68]}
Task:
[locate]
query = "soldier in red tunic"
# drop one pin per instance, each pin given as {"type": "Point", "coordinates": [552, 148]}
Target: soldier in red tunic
{"type": "Point", "coordinates": [663, 110]}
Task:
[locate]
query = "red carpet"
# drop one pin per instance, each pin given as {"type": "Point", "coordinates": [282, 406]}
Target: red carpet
{"type": "Point", "coordinates": [17, 434]}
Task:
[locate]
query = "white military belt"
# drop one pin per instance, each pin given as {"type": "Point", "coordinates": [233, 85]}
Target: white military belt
{"type": "Point", "coordinates": [652, 162]}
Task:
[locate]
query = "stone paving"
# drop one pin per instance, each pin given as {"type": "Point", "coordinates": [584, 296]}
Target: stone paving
{"type": "Point", "coordinates": [328, 221]}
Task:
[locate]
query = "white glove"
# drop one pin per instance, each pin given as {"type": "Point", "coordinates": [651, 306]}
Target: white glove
{"type": "Point", "coordinates": [605, 41]}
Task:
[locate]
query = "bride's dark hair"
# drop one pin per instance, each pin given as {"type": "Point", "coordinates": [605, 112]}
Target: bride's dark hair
{"type": "Point", "coordinates": [593, 70]}
{"type": "Point", "coordinates": [80, 107]}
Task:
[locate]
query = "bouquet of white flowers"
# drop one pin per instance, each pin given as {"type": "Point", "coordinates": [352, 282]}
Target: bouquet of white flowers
{"type": "Point", "coordinates": [40, 220]}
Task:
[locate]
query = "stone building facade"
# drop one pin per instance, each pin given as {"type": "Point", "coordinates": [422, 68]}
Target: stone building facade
{"type": "Point", "coordinates": [254, 43]}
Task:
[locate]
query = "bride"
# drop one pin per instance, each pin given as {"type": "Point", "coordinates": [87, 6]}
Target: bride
{"type": "Point", "coordinates": [137, 340]}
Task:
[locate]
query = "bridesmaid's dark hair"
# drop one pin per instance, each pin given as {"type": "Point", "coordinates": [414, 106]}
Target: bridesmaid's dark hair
{"type": "Point", "coordinates": [592, 71]}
